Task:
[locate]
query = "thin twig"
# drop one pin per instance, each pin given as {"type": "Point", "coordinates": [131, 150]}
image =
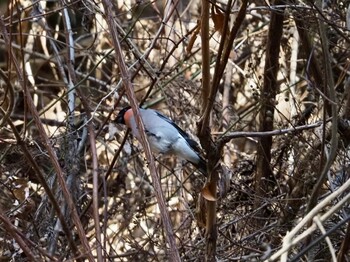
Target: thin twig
{"type": "Point", "coordinates": [11, 230]}
{"type": "Point", "coordinates": [109, 9]}
{"type": "Point", "coordinates": [52, 154]}
{"type": "Point", "coordinates": [288, 240]}
{"type": "Point", "coordinates": [317, 221]}
{"type": "Point", "coordinates": [232, 135]}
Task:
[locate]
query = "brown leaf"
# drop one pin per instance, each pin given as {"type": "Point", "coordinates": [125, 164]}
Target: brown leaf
{"type": "Point", "coordinates": [218, 19]}
{"type": "Point", "coordinates": [19, 190]}
{"type": "Point", "coordinates": [208, 191]}
{"type": "Point", "coordinates": [193, 37]}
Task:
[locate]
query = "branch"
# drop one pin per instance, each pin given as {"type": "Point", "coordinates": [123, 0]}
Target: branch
{"type": "Point", "coordinates": [222, 141]}
{"type": "Point", "coordinates": [205, 59]}
{"type": "Point", "coordinates": [288, 240]}
{"type": "Point", "coordinates": [334, 113]}
{"type": "Point", "coordinates": [10, 228]}
{"type": "Point", "coordinates": [110, 12]}
{"type": "Point", "coordinates": [47, 144]}
{"type": "Point", "coordinates": [268, 92]}
{"type": "Point", "coordinates": [222, 58]}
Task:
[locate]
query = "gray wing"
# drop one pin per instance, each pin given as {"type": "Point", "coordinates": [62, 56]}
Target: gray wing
{"type": "Point", "coordinates": [190, 141]}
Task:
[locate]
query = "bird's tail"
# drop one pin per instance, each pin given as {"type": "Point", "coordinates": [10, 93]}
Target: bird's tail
{"type": "Point", "coordinates": [202, 166]}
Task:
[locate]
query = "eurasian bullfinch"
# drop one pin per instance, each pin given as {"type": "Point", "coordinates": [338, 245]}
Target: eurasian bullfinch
{"type": "Point", "coordinates": [164, 136]}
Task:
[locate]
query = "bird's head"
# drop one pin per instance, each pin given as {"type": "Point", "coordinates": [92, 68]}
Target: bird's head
{"type": "Point", "coordinates": [121, 115]}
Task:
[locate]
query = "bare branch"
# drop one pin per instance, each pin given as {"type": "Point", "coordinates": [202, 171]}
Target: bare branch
{"type": "Point", "coordinates": [109, 9]}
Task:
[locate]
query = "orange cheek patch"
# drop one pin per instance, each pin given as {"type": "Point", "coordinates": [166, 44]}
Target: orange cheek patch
{"type": "Point", "coordinates": [127, 117]}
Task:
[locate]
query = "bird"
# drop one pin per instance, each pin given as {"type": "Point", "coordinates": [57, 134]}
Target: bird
{"type": "Point", "coordinates": [163, 135]}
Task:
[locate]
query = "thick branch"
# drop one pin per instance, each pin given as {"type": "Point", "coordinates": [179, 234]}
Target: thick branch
{"type": "Point", "coordinates": [268, 94]}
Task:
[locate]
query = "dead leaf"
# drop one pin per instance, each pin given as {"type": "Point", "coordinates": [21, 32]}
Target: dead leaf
{"type": "Point", "coordinates": [193, 37]}
{"type": "Point", "coordinates": [218, 19]}
{"type": "Point", "coordinates": [208, 191]}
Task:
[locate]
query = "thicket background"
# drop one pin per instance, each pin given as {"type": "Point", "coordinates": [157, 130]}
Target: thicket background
{"type": "Point", "coordinates": [76, 186]}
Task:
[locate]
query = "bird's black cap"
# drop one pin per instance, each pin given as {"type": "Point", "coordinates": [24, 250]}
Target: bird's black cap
{"type": "Point", "coordinates": [120, 117]}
